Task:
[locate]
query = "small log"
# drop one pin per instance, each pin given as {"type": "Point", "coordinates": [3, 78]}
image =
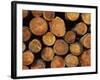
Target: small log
{"type": "Point", "coordinates": [35, 46]}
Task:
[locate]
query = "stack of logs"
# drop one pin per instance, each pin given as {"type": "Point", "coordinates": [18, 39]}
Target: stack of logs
{"type": "Point", "coordinates": [56, 39]}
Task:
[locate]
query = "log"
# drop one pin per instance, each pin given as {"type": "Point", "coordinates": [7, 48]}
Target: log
{"type": "Point", "coordinates": [48, 15]}
{"type": "Point", "coordinates": [86, 40]}
{"type": "Point", "coordinates": [71, 60]}
{"type": "Point", "coordinates": [26, 34]}
{"type": "Point", "coordinates": [72, 16]}
{"type": "Point", "coordinates": [85, 58]}
{"type": "Point", "coordinates": [38, 64]}
{"type": "Point", "coordinates": [57, 62]}
{"type": "Point", "coordinates": [28, 57]}
{"type": "Point", "coordinates": [76, 48]}
{"type": "Point", "coordinates": [80, 28]}
{"type": "Point", "coordinates": [49, 39]}
{"type": "Point", "coordinates": [70, 37]}
{"type": "Point", "coordinates": [60, 47]}
{"type": "Point", "coordinates": [58, 27]}
{"type": "Point", "coordinates": [47, 54]}
{"type": "Point", "coordinates": [35, 46]}
{"type": "Point", "coordinates": [25, 13]}
{"type": "Point", "coordinates": [38, 26]}
{"type": "Point", "coordinates": [37, 13]}
{"type": "Point", "coordinates": [86, 17]}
